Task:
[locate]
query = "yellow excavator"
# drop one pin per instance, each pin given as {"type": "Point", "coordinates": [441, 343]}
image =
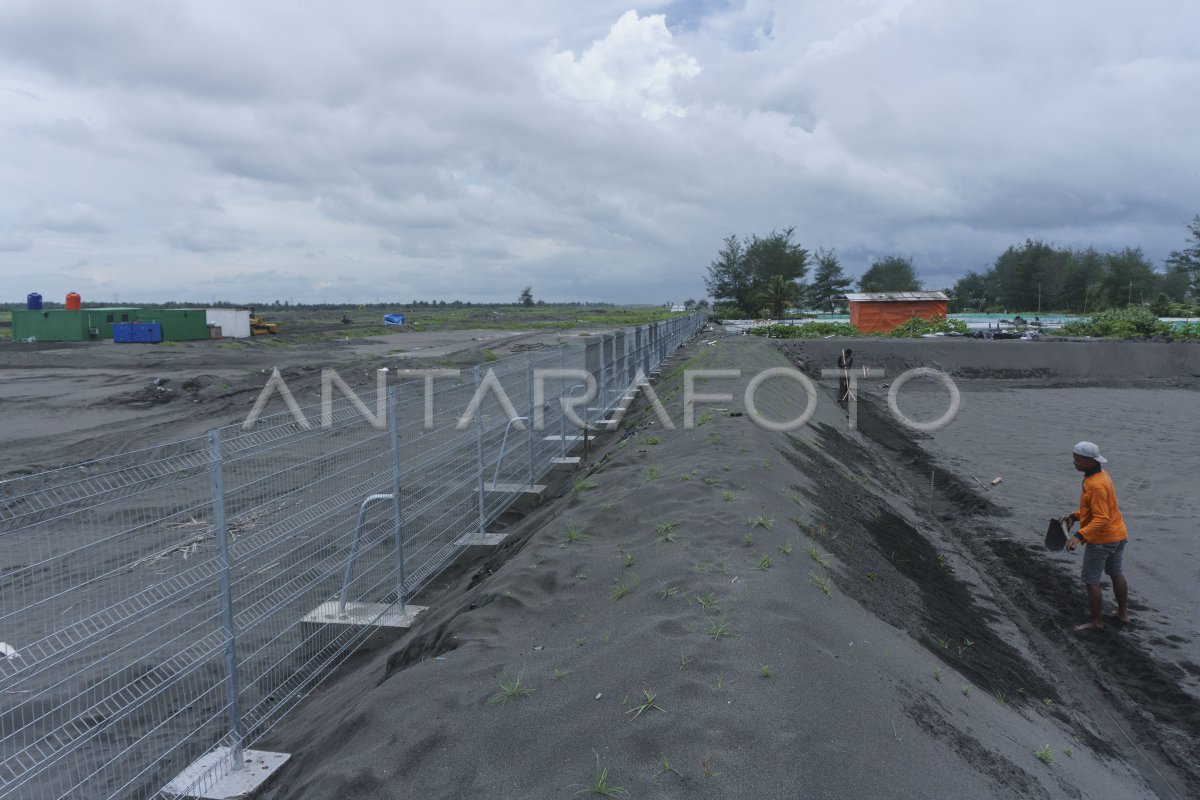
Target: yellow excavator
{"type": "Point", "coordinates": [260, 328]}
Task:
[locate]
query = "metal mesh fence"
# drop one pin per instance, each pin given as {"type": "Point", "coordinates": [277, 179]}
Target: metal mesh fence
{"type": "Point", "coordinates": [167, 603]}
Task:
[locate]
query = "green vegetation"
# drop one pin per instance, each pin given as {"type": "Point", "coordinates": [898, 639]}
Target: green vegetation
{"type": "Point", "coordinates": [1129, 323]}
{"type": "Point", "coordinates": [1044, 755]}
{"type": "Point", "coordinates": [647, 704]}
{"type": "Point", "coordinates": [666, 767]}
{"type": "Point", "coordinates": [890, 274]}
{"type": "Point", "coordinates": [510, 689]}
{"type": "Point", "coordinates": [821, 582]}
{"type": "Point", "coordinates": [765, 275]}
{"type": "Point", "coordinates": [819, 330]}
{"type": "Point", "coordinates": [719, 629]}
{"type": "Point", "coordinates": [600, 784]}
{"type": "Point", "coordinates": [758, 273]}
{"type": "Point", "coordinates": [817, 556]}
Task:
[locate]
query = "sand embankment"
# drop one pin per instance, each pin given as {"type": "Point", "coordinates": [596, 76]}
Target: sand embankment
{"type": "Point", "coordinates": [773, 615]}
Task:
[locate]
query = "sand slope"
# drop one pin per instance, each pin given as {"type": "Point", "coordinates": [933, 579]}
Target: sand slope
{"type": "Point", "coordinates": [917, 674]}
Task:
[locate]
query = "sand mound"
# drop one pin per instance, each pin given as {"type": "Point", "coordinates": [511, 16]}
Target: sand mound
{"type": "Point", "coordinates": [732, 612]}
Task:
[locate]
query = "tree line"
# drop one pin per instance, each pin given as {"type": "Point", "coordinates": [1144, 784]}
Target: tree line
{"type": "Point", "coordinates": [768, 274]}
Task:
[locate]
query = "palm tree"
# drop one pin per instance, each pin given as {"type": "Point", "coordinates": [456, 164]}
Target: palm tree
{"type": "Point", "coordinates": [778, 294]}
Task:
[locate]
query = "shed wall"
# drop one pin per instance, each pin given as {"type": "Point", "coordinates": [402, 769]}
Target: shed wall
{"type": "Point", "coordinates": [49, 325]}
{"type": "Point", "coordinates": [885, 316]}
{"type": "Point", "coordinates": [178, 324]}
{"type": "Point", "coordinates": [234, 322]}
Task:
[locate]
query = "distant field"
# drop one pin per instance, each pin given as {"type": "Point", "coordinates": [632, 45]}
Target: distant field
{"type": "Point", "coordinates": [300, 325]}
{"type": "Point", "coordinates": [369, 322]}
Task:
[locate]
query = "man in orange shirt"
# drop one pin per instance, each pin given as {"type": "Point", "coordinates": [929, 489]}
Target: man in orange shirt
{"type": "Point", "coordinates": [1102, 529]}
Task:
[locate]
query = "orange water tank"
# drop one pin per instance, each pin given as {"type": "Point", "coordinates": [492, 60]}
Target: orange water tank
{"type": "Point", "coordinates": [73, 301]}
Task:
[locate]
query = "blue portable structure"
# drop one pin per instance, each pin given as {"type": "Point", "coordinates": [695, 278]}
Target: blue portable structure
{"type": "Point", "coordinates": [393, 319]}
{"type": "Point", "coordinates": [150, 332]}
{"type": "Point", "coordinates": [33, 302]}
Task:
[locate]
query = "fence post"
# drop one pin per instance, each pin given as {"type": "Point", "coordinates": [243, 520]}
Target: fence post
{"type": "Point", "coordinates": [479, 449]}
{"type": "Point", "coordinates": [397, 506]}
{"type": "Point", "coordinates": [562, 412]}
{"type": "Point", "coordinates": [603, 383]}
{"type": "Point", "coordinates": [222, 534]}
{"type": "Point", "coordinates": [529, 389]}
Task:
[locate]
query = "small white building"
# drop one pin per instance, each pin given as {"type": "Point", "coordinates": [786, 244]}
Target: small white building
{"type": "Point", "coordinates": [233, 322]}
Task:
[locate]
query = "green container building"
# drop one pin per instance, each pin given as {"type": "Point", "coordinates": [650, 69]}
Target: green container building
{"type": "Point", "coordinates": [101, 320]}
{"type": "Point", "coordinates": [178, 324]}
{"type": "Point", "coordinates": [63, 325]}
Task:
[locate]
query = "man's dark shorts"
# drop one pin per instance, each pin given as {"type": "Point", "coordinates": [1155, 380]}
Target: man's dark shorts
{"type": "Point", "coordinates": [1103, 559]}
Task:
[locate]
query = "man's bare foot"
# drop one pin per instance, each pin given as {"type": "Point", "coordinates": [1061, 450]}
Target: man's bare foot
{"type": "Point", "coordinates": [1090, 626]}
{"type": "Point", "coordinates": [1122, 617]}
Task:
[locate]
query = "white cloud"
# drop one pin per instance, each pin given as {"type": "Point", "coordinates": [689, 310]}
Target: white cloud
{"type": "Point", "coordinates": [637, 67]}
{"type": "Point", "coordinates": [14, 242]}
{"type": "Point", "coordinates": [79, 218]}
{"type": "Point", "coordinates": [198, 238]}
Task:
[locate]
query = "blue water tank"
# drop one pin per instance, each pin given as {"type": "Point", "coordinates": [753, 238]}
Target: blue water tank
{"type": "Point", "coordinates": [33, 301]}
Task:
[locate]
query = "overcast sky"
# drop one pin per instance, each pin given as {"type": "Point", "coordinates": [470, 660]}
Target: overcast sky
{"type": "Point", "coordinates": [372, 151]}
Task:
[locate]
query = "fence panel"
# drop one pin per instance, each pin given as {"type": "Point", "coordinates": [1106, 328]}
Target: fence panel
{"type": "Point", "coordinates": [158, 599]}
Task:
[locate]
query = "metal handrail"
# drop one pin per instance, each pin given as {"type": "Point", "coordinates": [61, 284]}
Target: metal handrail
{"type": "Point", "coordinates": [362, 513]}
{"type": "Point", "coordinates": [504, 446]}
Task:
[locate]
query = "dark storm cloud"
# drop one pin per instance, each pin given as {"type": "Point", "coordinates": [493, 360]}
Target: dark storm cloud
{"type": "Point", "coordinates": [470, 149]}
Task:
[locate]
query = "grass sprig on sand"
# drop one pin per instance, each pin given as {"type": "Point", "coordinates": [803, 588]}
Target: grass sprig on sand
{"type": "Point", "coordinates": [1044, 755]}
{"type": "Point", "coordinates": [820, 581]}
{"type": "Point", "coordinates": [510, 689]}
{"type": "Point", "coordinates": [600, 783]}
{"type": "Point", "coordinates": [647, 704]}
{"type": "Point", "coordinates": [574, 534]}
{"type": "Point", "coordinates": [666, 767]}
{"type": "Point", "coordinates": [817, 556]}
{"type": "Point", "coordinates": [719, 629]}
{"type": "Point", "coordinates": [665, 531]}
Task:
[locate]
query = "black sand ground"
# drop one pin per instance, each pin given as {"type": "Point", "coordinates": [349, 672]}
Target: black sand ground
{"type": "Point", "coordinates": [805, 624]}
{"type": "Point", "coordinates": [936, 665]}
{"type": "Point", "coordinates": [63, 403]}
